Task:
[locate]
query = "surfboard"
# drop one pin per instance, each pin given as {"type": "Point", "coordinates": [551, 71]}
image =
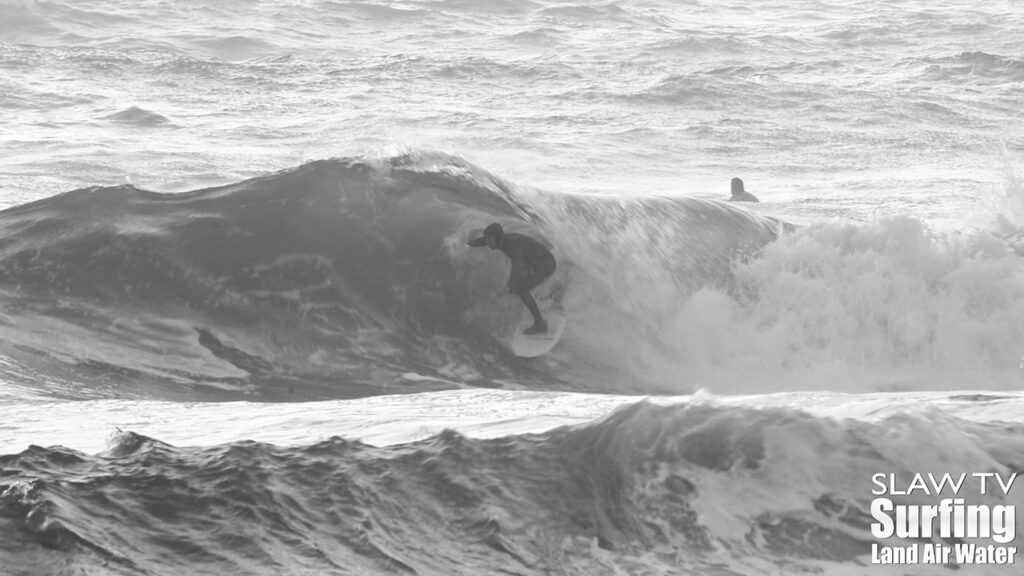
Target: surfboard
{"type": "Point", "coordinates": [532, 345]}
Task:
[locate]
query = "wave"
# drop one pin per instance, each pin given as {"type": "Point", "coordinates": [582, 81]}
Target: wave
{"type": "Point", "coordinates": [893, 304]}
{"type": "Point", "coordinates": [699, 42]}
{"type": "Point", "coordinates": [649, 489]}
{"type": "Point", "coordinates": [339, 278]}
{"type": "Point", "coordinates": [137, 117]}
{"type": "Point", "coordinates": [976, 66]}
{"type": "Point", "coordinates": [351, 277]}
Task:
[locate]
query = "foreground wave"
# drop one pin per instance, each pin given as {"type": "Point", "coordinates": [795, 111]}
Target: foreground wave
{"type": "Point", "coordinates": [649, 489]}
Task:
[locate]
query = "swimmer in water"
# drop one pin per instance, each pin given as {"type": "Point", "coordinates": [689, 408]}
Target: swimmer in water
{"type": "Point", "coordinates": [739, 194]}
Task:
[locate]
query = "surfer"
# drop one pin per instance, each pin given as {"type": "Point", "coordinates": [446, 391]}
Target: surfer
{"type": "Point", "coordinates": [532, 264]}
{"type": "Point", "coordinates": [739, 194]}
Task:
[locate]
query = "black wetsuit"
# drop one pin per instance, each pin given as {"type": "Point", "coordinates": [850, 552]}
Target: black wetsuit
{"type": "Point", "coordinates": [532, 264]}
{"type": "Point", "coordinates": [740, 194]}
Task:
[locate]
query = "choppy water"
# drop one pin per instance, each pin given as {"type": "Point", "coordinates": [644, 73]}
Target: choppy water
{"type": "Point", "coordinates": [825, 109]}
{"type": "Point", "coordinates": [266, 203]}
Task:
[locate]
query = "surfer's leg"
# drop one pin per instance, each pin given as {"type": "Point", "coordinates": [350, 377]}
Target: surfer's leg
{"type": "Point", "coordinates": [537, 274]}
{"type": "Point", "coordinates": [539, 325]}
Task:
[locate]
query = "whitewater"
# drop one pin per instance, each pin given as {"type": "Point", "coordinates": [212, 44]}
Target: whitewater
{"type": "Point", "coordinates": [241, 331]}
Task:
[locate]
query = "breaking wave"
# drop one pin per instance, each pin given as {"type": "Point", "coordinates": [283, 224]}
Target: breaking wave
{"type": "Point", "coordinates": [351, 277]}
{"type": "Point", "coordinates": [649, 489]}
{"type": "Point", "coordinates": [340, 278]}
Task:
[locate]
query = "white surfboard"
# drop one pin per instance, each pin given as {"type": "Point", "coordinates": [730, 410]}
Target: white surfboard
{"type": "Point", "coordinates": [531, 345]}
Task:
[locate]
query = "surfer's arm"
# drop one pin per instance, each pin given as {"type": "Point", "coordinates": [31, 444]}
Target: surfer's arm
{"type": "Point", "coordinates": [478, 242]}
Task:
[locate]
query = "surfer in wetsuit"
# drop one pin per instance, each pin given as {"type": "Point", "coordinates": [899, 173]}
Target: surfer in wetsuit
{"type": "Point", "coordinates": [739, 194]}
{"type": "Point", "coordinates": [532, 264]}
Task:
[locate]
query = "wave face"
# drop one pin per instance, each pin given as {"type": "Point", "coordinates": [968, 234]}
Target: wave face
{"type": "Point", "coordinates": [649, 489]}
{"type": "Point", "coordinates": [339, 278]}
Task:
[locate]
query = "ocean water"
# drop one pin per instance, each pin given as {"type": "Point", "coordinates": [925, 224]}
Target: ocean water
{"type": "Point", "coordinates": [241, 332]}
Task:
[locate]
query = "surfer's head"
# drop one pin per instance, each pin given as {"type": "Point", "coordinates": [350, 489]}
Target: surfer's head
{"type": "Point", "coordinates": [493, 234]}
{"type": "Point", "coordinates": [737, 186]}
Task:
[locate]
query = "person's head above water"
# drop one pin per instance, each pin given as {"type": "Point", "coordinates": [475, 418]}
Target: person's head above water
{"type": "Point", "coordinates": [739, 193]}
{"type": "Point", "coordinates": [494, 235]}
{"type": "Point", "coordinates": [737, 186]}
